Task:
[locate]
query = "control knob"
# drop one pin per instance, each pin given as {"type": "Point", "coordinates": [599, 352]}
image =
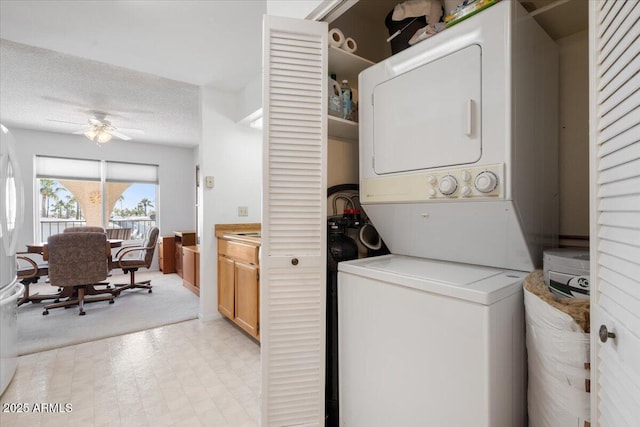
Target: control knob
{"type": "Point", "coordinates": [486, 182]}
{"type": "Point", "coordinates": [432, 179]}
{"type": "Point", "coordinates": [448, 185]}
{"type": "Point", "coordinates": [465, 191]}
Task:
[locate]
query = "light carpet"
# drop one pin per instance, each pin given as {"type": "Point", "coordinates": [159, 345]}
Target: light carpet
{"type": "Point", "coordinates": [134, 310]}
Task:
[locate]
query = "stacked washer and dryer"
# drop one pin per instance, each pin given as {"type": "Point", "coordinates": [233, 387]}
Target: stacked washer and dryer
{"type": "Point", "coordinates": [458, 173]}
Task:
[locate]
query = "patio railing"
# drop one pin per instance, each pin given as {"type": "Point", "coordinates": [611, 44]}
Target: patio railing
{"type": "Point", "coordinates": [138, 226]}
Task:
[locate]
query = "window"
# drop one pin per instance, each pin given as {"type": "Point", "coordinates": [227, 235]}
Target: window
{"type": "Point", "coordinates": [118, 196]}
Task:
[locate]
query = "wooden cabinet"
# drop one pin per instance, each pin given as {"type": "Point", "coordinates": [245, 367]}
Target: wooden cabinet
{"type": "Point", "coordinates": [226, 287]}
{"type": "Point", "coordinates": [191, 268]}
{"type": "Point", "coordinates": [182, 238]}
{"type": "Point", "coordinates": [247, 297]}
{"type": "Point", "coordinates": [239, 284]}
{"type": "Point", "coordinates": [166, 258]}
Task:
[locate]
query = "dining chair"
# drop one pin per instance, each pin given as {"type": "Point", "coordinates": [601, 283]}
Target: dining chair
{"type": "Point", "coordinates": [31, 267]}
{"type": "Point", "coordinates": [84, 229]}
{"type": "Point", "coordinates": [118, 233]}
{"type": "Point", "coordinates": [77, 262]}
{"type": "Point", "coordinates": [131, 258]}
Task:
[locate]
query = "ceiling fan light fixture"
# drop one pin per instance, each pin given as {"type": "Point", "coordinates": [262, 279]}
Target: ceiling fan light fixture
{"type": "Point", "coordinates": [91, 134]}
{"type": "Point", "coordinates": [103, 137]}
{"type": "Point", "coordinates": [101, 131]}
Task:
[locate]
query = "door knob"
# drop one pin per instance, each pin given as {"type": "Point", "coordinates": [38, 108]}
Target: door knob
{"type": "Point", "coordinates": [605, 334]}
{"type": "Point", "coordinates": [294, 261]}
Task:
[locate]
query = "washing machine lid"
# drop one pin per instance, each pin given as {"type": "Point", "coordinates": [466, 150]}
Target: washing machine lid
{"type": "Point", "coordinates": [479, 284]}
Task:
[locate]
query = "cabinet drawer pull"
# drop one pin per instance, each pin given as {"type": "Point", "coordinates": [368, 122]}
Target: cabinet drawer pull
{"type": "Point", "coordinates": [294, 261]}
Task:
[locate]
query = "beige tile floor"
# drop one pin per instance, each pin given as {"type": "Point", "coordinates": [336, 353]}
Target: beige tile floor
{"type": "Point", "coordinates": [188, 374]}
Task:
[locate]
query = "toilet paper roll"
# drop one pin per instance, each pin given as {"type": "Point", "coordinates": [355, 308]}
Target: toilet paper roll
{"type": "Point", "coordinates": [336, 37]}
{"type": "Point", "coordinates": [350, 45]}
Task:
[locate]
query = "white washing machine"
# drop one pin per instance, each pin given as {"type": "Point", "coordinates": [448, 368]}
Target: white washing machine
{"type": "Point", "coordinates": [430, 343]}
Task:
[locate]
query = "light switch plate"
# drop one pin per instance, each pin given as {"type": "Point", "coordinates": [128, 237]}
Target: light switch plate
{"type": "Point", "coordinates": [243, 211]}
{"type": "Point", "coordinates": [208, 181]}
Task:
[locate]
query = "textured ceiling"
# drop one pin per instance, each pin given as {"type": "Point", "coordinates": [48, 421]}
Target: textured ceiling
{"type": "Point", "coordinates": [140, 62]}
{"type": "Point", "coordinates": [40, 88]}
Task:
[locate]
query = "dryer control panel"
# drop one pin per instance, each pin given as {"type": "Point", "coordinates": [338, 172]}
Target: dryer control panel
{"type": "Point", "coordinates": [465, 183]}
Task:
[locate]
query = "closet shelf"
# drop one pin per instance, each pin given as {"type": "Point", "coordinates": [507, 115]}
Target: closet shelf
{"type": "Point", "coordinates": [342, 129]}
{"type": "Point", "coordinates": [346, 65]}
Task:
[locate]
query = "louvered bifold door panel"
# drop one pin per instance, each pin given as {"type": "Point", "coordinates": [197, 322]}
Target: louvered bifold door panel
{"type": "Point", "coordinates": [615, 210]}
{"type": "Point", "coordinates": [293, 253]}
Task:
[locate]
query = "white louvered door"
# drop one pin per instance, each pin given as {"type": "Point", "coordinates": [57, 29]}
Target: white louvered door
{"type": "Point", "coordinates": [293, 253]}
{"type": "Point", "coordinates": [614, 31]}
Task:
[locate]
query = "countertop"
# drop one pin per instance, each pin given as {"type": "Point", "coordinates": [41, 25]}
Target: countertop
{"type": "Point", "coordinates": [246, 233]}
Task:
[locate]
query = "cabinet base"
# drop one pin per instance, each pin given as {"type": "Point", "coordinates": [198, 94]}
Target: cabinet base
{"type": "Point", "coordinates": [192, 288]}
{"type": "Point", "coordinates": [255, 338]}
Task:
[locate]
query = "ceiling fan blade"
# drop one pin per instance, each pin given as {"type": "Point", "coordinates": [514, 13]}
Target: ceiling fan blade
{"type": "Point", "coordinates": [95, 122]}
{"type": "Point", "coordinates": [120, 135]}
{"type": "Point", "coordinates": [79, 132]}
{"type": "Point", "coordinates": [132, 130]}
{"type": "Point", "coordinates": [64, 121]}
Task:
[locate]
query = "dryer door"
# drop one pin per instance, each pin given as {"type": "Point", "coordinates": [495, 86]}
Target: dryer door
{"type": "Point", "coordinates": [430, 116]}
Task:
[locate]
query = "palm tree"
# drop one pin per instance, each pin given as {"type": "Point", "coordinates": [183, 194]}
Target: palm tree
{"type": "Point", "coordinates": [48, 190]}
{"type": "Point", "coordinates": [58, 207]}
{"type": "Point", "coordinates": [69, 205]}
{"type": "Point", "coordinates": [145, 203]}
{"type": "Point", "coordinates": [121, 199]}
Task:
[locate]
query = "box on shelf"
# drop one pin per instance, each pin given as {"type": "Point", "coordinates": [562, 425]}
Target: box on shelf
{"type": "Point", "coordinates": [566, 272]}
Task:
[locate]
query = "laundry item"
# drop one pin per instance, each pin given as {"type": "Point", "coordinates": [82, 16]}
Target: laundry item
{"type": "Point", "coordinates": [432, 9]}
{"type": "Point", "coordinates": [426, 32]}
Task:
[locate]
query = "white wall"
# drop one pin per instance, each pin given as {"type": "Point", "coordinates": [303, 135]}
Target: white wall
{"type": "Point", "coordinates": [574, 135]}
{"type": "Point", "coordinates": [342, 162]}
{"type": "Point", "coordinates": [292, 8]}
{"type": "Point", "coordinates": [232, 154]}
{"type": "Point", "coordinates": [176, 195]}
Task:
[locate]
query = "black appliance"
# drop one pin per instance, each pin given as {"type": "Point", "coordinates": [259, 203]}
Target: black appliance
{"type": "Point", "coordinates": [341, 247]}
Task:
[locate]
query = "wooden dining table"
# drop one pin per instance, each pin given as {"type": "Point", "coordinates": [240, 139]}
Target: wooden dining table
{"type": "Point", "coordinates": [39, 248]}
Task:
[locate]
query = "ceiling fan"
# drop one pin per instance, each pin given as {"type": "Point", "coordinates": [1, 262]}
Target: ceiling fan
{"type": "Point", "coordinates": [100, 130]}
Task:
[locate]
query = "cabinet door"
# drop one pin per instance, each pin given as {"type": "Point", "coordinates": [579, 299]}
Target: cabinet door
{"type": "Point", "coordinates": [197, 283]}
{"type": "Point", "coordinates": [189, 266]}
{"type": "Point", "coordinates": [247, 297]}
{"type": "Point", "coordinates": [166, 256]}
{"type": "Point", "coordinates": [160, 256]}
{"type": "Point", "coordinates": [615, 211]}
{"type": "Point", "coordinates": [293, 254]}
{"type": "Point", "coordinates": [226, 287]}
{"type": "Point", "coordinates": [178, 256]}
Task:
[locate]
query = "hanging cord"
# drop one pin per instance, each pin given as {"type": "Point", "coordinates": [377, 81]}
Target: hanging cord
{"type": "Point", "coordinates": [397, 33]}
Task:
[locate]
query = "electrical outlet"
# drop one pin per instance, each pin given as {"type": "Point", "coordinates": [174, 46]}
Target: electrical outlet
{"type": "Point", "coordinates": [243, 211]}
